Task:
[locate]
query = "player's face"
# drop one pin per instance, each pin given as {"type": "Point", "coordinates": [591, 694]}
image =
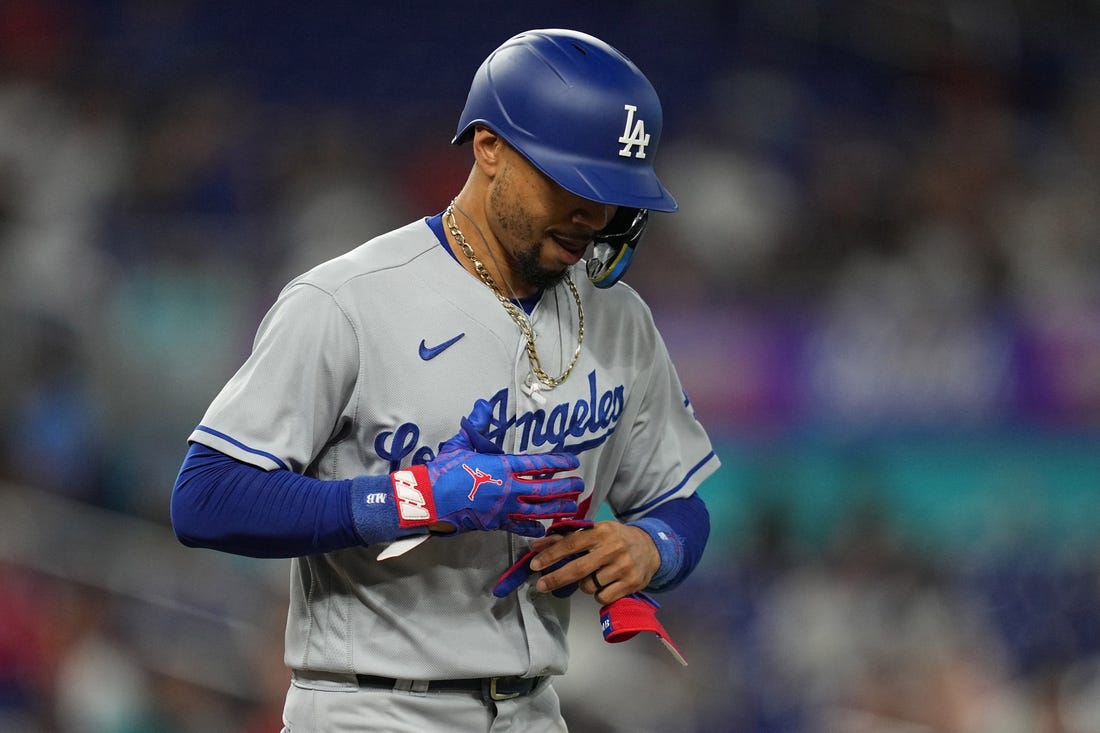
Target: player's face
{"type": "Point", "coordinates": [542, 228]}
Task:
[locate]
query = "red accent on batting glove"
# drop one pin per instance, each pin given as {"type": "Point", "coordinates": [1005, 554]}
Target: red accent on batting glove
{"type": "Point", "coordinates": [412, 490]}
{"type": "Point", "coordinates": [630, 615]}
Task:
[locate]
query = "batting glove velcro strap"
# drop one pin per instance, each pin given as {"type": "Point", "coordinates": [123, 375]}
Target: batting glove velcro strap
{"type": "Point", "coordinates": [630, 615]}
{"type": "Point", "coordinates": [476, 491]}
{"type": "Point", "coordinates": [518, 574]}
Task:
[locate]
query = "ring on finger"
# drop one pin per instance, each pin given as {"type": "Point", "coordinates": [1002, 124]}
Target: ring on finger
{"type": "Point", "coordinates": [596, 581]}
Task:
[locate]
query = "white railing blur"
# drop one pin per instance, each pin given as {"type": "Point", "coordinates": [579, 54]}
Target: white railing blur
{"type": "Point", "coordinates": [196, 615]}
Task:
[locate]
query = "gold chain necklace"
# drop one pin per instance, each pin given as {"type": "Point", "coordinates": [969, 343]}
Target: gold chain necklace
{"type": "Point", "coordinates": [514, 311]}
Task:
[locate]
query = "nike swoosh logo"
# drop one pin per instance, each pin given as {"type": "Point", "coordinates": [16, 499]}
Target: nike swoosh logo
{"type": "Point", "coordinates": [430, 352]}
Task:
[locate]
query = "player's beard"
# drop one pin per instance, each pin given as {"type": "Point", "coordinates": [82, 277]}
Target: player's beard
{"type": "Point", "coordinates": [529, 267]}
{"type": "Point", "coordinates": [526, 261]}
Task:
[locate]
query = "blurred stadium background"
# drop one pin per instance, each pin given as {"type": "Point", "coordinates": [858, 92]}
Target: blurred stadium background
{"type": "Point", "coordinates": [882, 292]}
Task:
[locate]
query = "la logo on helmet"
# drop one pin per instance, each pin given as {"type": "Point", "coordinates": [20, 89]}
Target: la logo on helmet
{"type": "Point", "coordinates": [633, 134]}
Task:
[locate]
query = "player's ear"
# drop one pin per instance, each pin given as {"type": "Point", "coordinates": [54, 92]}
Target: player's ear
{"type": "Point", "coordinates": [487, 146]}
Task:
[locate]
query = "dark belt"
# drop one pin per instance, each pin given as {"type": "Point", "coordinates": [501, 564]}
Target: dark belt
{"type": "Point", "coordinates": [491, 689]}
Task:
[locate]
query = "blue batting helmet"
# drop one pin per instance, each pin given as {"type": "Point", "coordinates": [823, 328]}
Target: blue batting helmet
{"type": "Point", "coordinates": [577, 109]}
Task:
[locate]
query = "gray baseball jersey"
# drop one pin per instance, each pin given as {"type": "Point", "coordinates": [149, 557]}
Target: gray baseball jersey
{"type": "Point", "coordinates": [366, 364]}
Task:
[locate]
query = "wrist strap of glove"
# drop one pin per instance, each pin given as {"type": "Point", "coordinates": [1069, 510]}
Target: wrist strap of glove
{"type": "Point", "coordinates": [627, 617]}
{"type": "Point", "coordinates": [412, 492]}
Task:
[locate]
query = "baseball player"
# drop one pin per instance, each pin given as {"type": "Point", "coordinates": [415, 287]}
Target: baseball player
{"type": "Point", "coordinates": [416, 413]}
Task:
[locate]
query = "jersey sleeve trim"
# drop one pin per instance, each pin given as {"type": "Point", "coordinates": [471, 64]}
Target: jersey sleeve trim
{"type": "Point", "coordinates": [231, 446]}
{"type": "Point", "coordinates": [709, 462]}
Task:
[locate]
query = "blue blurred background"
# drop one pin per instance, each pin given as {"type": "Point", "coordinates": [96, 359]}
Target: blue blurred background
{"type": "Point", "coordinates": [882, 292]}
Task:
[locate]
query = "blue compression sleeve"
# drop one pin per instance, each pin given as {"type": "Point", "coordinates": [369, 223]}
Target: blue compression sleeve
{"type": "Point", "coordinates": [224, 504]}
{"type": "Point", "coordinates": [680, 529]}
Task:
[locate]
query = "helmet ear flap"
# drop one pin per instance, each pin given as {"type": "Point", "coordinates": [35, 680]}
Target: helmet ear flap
{"type": "Point", "coordinates": [614, 245]}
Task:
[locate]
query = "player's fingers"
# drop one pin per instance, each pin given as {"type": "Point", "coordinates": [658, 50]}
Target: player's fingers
{"type": "Point", "coordinates": [574, 543]}
{"type": "Point", "coordinates": [478, 418]}
{"type": "Point", "coordinates": [568, 561]}
{"type": "Point", "coordinates": [559, 490]}
{"type": "Point", "coordinates": [523, 465]}
{"type": "Point", "coordinates": [543, 542]}
{"type": "Point", "coordinates": [524, 526]}
{"type": "Point", "coordinates": [556, 509]}
{"type": "Point", "coordinates": [565, 572]}
{"type": "Point", "coordinates": [474, 430]}
{"type": "Point", "coordinates": [596, 587]}
{"type": "Point", "coordinates": [619, 576]}
{"type": "Point", "coordinates": [599, 552]}
{"type": "Point", "coordinates": [567, 487]}
{"type": "Point", "coordinates": [571, 525]}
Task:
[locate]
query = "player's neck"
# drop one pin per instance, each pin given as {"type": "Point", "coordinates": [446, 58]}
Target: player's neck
{"type": "Point", "coordinates": [488, 252]}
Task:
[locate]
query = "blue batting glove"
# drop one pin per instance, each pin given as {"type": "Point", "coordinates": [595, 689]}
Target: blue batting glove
{"type": "Point", "coordinates": [473, 485]}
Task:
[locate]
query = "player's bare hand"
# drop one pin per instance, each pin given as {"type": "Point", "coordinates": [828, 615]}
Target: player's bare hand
{"type": "Point", "coordinates": [612, 560]}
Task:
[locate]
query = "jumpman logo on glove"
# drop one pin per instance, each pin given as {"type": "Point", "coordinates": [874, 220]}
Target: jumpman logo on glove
{"type": "Point", "coordinates": [480, 477]}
